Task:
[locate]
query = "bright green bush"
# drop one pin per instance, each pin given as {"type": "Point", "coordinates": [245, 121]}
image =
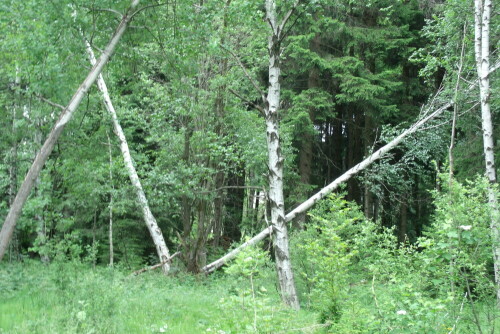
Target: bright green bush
{"type": "Point", "coordinates": [361, 280]}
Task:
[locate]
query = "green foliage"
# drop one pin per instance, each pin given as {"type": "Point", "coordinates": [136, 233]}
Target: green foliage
{"type": "Point", "coordinates": [457, 246]}
{"type": "Point", "coordinates": [354, 273]}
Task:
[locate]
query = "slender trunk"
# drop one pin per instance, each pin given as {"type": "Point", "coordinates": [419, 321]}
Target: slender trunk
{"type": "Point", "coordinates": [482, 52]}
{"type": "Point", "coordinates": [111, 203]}
{"type": "Point", "coordinates": [149, 219]}
{"type": "Point", "coordinates": [41, 228]}
{"type": "Point", "coordinates": [307, 141]}
{"type": "Point", "coordinates": [455, 107]}
{"type": "Point", "coordinates": [13, 160]}
{"type": "Point", "coordinates": [23, 193]}
{"type": "Point", "coordinates": [369, 140]}
{"type": "Point", "coordinates": [403, 222]}
{"type": "Point", "coordinates": [275, 164]}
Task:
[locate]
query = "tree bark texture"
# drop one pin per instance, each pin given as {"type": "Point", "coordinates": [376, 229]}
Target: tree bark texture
{"type": "Point", "coordinates": [55, 133]}
{"type": "Point", "coordinates": [149, 219]}
{"type": "Point", "coordinates": [275, 164]}
{"type": "Point", "coordinates": [482, 14]}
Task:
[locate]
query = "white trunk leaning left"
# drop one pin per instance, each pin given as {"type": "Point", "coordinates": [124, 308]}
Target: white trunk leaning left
{"type": "Point", "coordinates": [44, 153]}
{"type": "Point", "coordinates": [272, 103]}
{"type": "Point", "coordinates": [482, 14]}
{"type": "Point", "coordinates": [149, 219]}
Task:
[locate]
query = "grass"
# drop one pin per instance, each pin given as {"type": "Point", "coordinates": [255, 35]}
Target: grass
{"type": "Point", "coordinates": [73, 298]}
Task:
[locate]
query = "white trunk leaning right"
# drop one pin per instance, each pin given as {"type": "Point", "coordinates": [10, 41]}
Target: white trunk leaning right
{"type": "Point", "coordinates": [330, 187]}
{"type": "Point", "coordinates": [482, 14]}
{"type": "Point", "coordinates": [35, 169]}
{"type": "Point", "coordinates": [149, 219]}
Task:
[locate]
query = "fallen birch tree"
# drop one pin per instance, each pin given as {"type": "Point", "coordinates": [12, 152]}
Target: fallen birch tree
{"type": "Point", "coordinates": [45, 151]}
{"type": "Point", "coordinates": [302, 208]}
{"type": "Point", "coordinates": [149, 219]}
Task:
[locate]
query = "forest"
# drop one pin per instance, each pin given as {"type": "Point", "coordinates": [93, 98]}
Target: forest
{"type": "Point", "coordinates": [249, 166]}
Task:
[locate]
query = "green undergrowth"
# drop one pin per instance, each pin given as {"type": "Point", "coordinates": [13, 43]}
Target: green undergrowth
{"type": "Point", "coordinates": [73, 298]}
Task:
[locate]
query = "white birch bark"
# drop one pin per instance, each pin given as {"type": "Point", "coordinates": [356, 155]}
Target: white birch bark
{"type": "Point", "coordinates": [482, 14]}
{"type": "Point", "coordinates": [149, 219]}
{"type": "Point", "coordinates": [275, 164]}
{"type": "Point", "coordinates": [25, 189]}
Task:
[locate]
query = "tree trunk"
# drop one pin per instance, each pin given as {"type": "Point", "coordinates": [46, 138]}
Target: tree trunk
{"type": "Point", "coordinates": [369, 140]}
{"type": "Point", "coordinates": [403, 221]}
{"type": "Point", "coordinates": [482, 52]}
{"type": "Point", "coordinates": [41, 228]}
{"type": "Point", "coordinates": [149, 219]}
{"type": "Point", "coordinates": [23, 193]}
{"type": "Point", "coordinates": [275, 164]}
{"type": "Point", "coordinates": [13, 163]}
{"type": "Point", "coordinates": [111, 202]}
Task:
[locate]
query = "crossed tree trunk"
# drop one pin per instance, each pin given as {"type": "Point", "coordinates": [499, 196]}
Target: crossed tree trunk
{"type": "Point", "coordinates": [35, 169]}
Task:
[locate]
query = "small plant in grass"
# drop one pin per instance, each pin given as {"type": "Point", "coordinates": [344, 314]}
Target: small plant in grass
{"type": "Point", "coordinates": [247, 266]}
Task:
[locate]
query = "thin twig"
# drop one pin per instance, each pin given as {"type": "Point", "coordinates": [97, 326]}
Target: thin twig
{"type": "Point", "coordinates": [249, 77]}
{"type": "Point", "coordinates": [57, 105]}
{"type": "Point", "coordinates": [287, 17]}
{"type": "Point", "coordinates": [375, 298]}
{"type": "Point", "coordinates": [105, 10]}
{"type": "Point", "coordinates": [256, 106]}
{"type": "Point", "coordinates": [459, 313]}
{"type": "Point", "coordinates": [146, 7]}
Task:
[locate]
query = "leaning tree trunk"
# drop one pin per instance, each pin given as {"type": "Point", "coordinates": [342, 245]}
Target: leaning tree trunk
{"type": "Point", "coordinates": [149, 219]}
{"type": "Point", "coordinates": [275, 164]}
{"type": "Point", "coordinates": [332, 186]}
{"type": "Point", "coordinates": [337, 182]}
{"type": "Point", "coordinates": [482, 52]}
{"type": "Point", "coordinates": [23, 193]}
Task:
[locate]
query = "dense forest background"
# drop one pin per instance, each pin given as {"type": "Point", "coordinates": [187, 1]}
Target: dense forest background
{"type": "Point", "coordinates": [185, 81]}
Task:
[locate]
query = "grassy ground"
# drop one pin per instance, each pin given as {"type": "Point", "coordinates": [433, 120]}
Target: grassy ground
{"type": "Point", "coordinates": [76, 299]}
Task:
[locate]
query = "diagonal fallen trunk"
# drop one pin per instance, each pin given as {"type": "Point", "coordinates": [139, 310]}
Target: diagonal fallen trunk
{"type": "Point", "coordinates": [149, 219]}
{"type": "Point", "coordinates": [33, 173]}
{"type": "Point", "coordinates": [329, 188]}
{"type": "Point", "coordinates": [209, 268]}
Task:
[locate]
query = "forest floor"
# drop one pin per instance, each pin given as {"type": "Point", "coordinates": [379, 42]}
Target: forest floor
{"type": "Point", "coordinates": [74, 298]}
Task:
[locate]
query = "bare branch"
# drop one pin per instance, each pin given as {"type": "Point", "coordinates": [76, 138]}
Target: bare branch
{"type": "Point", "coordinates": [57, 105]}
{"type": "Point", "coordinates": [256, 106]}
{"type": "Point", "coordinates": [249, 77]}
{"type": "Point", "coordinates": [287, 17]}
{"type": "Point", "coordinates": [105, 10]}
{"type": "Point", "coordinates": [147, 7]}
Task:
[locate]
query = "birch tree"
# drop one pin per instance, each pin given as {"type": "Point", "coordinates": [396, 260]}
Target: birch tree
{"type": "Point", "coordinates": [149, 219]}
{"type": "Point", "coordinates": [482, 15]}
{"type": "Point", "coordinates": [44, 153]}
{"type": "Point", "coordinates": [275, 162]}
